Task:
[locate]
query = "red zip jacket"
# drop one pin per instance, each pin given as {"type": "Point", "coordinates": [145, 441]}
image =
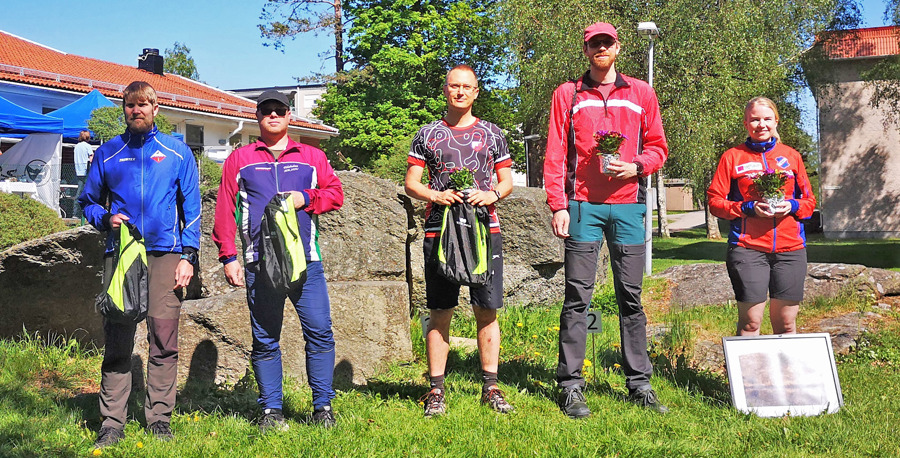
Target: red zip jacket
{"type": "Point", "coordinates": [251, 176]}
{"type": "Point", "coordinates": [731, 193]}
{"type": "Point", "coordinates": [632, 110]}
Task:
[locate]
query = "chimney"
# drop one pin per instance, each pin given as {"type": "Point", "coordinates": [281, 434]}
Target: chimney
{"type": "Point", "coordinates": [151, 61]}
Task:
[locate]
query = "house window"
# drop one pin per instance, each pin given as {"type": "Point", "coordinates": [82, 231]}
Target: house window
{"type": "Point", "coordinates": [193, 135]}
{"type": "Point", "coordinates": [235, 140]}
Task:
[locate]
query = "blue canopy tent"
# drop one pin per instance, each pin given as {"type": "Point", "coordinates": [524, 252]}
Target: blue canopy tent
{"type": "Point", "coordinates": [17, 121]}
{"type": "Point", "coordinates": [76, 114]}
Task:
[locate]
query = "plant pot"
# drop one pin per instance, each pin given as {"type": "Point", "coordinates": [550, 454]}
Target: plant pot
{"type": "Point", "coordinates": [606, 160]}
{"type": "Point", "coordinates": [774, 202]}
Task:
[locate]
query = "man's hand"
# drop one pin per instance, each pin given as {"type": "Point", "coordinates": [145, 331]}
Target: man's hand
{"type": "Point", "coordinates": [116, 220]}
{"type": "Point", "coordinates": [184, 271]}
{"type": "Point", "coordinates": [234, 273]}
{"type": "Point", "coordinates": [764, 210]}
{"type": "Point", "coordinates": [447, 197]}
{"type": "Point", "coordinates": [623, 170]}
{"type": "Point", "coordinates": [560, 224]}
{"type": "Point", "coordinates": [299, 200]}
{"type": "Point", "coordinates": [482, 198]}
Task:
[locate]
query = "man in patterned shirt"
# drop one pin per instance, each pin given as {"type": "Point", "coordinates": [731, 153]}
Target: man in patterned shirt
{"type": "Point", "coordinates": [460, 140]}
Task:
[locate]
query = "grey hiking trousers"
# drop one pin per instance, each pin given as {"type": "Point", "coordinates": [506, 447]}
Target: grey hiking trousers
{"type": "Point", "coordinates": [628, 274]}
{"type": "Point", "coordinates": [162, 335]}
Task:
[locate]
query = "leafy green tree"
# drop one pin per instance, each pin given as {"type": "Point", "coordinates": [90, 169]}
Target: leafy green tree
{"type": "Point", "coordinates": [884, 76]}
{"type": "Point", "coordinates": [107, 122]}
{"type": "Point", "coordinates": [178, 60]}
{"type": "Point", "coordinates": [402, 51]}
{"type": "Point", "coordinates": [284, 19]}
{"type": "Point", "coordinates": [710, 59]}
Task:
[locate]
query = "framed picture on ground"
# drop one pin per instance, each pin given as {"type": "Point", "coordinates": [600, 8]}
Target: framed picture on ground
{"type": "Point", "coordinates": [790, 374]}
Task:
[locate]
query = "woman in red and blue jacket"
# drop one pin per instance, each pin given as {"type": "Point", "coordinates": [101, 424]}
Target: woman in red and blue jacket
{"type": "Point", "coordinates": [766, 243]}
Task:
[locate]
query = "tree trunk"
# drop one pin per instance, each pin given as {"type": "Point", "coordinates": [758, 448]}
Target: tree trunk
{"type": "Point", "coordinates": [661, 219]}
{"type": "Point", "coordinates": [712, 224]}
{"type": "Point", "coordinates": [338, 37]}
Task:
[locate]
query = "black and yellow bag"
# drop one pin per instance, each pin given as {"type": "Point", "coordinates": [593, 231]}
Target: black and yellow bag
{"type": "Point", "coordinates": [464, 248]}
{"type": "Point", "coordinates": [282, 261]}
{"type": "Point", "coordinates": [127, 296]}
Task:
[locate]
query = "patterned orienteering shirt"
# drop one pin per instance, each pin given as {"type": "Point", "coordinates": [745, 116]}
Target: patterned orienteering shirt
{"type": "Point", "coordinates": [441, 149]}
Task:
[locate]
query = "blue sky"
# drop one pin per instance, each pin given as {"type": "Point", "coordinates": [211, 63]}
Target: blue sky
{"type": "Point", "coordinates": [222, 34]}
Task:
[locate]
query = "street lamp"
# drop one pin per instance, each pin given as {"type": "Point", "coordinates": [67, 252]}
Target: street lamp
{"type": "Point", "coordinates": [649, 31]}
{"type": "Point", "coordinates": [527, 139]}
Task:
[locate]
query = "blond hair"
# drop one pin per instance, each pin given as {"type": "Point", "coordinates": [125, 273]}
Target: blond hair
{"type": "Point", "coordinates": [139, 90]}
{"type": "Point", "coordinates": [84, 136]}
{"type": "Point", "coordinates": [768, 103]}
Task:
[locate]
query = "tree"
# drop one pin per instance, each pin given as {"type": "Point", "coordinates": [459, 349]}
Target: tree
{"type": "Point", "coordinates": [107, 122]}
{"type": "Point", "coordinates": [288, 18]}
{"type": "Point", "coordinates": [178, 60]}
{"type": "Point", "coordinates": [710, 59]}
{"type": "Point", "coordinates": [884, 76]}
{"type": "Point", "coordinates": [402, 50]}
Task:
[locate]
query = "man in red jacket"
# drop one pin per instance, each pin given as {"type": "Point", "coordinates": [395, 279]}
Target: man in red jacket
{"type": "Point", "coordinates": [588, 204]}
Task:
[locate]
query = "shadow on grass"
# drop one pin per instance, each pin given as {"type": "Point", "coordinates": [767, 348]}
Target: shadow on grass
{"type": "Point", "coordinates": [710, 387]}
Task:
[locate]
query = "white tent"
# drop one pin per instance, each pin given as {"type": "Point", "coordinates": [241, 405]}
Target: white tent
{"type": "Point", "coordinates": [36, 159]}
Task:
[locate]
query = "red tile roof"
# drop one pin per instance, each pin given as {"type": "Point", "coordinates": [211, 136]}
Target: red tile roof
{"type": "Point", "coordinates": [24, 61]}
{"type": "Point", "coordinates": [871, 42]}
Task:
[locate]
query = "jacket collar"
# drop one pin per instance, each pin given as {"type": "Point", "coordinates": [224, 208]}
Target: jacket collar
{"type": "Point", "coordinates": [140, 139]}
{"type": "Point", "coordinates": [586, 80]}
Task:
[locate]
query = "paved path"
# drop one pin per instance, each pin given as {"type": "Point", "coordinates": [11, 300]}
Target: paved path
{"type": "Point", "coordinates": [689, 220]}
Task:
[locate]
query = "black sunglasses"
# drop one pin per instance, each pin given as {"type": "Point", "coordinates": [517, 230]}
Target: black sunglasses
{"type": "Point", "coordinates": [279, 110]}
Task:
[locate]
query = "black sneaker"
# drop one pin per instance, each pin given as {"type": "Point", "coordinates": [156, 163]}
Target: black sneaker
{"type": "Point", "coordinates": [272, 419]}
{"type": "Point", "coordinates": [572, 402]}
{"type": "Point", "coordinates": [108, 436]}
{"type": "Point", "coordinates": [323, 417]}
{"type": "Point", "coordinates": [161, 430]}
{"type": "Point", "coordinates": [493, 397]}
{"type": "Point", "coordinates": [647, 398]}
{"type": "Point", "coordinates": [434, 403]}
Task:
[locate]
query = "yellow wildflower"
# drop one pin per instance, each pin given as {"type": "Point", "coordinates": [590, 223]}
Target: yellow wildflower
{"type": "Point", "coordinates": [556, 328]}
{"type": "Point", "coordinates": [615, 345]}
{"type": "Point", "coordinates": [617, 365]}
{"type": "Point", "coordinates": [139, 445]}
{"type": "Point", "coordinates": [534, 336]}
{"type": "Point", "coordinates": [588, 363]}
{"type": "Point", "coordinates": [97, 452]}
{"type": "Point", "coordinates": [537, 353]}
{"type": "Point", "coordinates": [196, 417]}
{"type": "Point", "coordinates": [519, 324]}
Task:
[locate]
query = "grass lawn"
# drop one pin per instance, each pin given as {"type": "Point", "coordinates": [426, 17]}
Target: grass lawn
{"type": "Point", "coordinates": [48, 393]}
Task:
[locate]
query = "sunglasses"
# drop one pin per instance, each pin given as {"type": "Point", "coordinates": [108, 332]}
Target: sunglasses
{"type": "Point", "coordinates": [606, 42]}
{"type": "Point", "coordinates": [279, 110]}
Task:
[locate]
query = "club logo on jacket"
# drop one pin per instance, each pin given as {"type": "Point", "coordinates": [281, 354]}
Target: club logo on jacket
{"type": "Point", "coordinates": [158, 156]}
{"type": "Point", "coordinates": [782, 162]}
{"type": "Point", "coordinates": [477, 145]}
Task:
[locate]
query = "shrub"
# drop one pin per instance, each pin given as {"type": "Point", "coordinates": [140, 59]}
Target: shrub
{"type": "Point", "coordinates": [392, 164]}
{"type": "Point", "coordinates": [210, 174]}
{"type": "Point", "coordinates": [23, 219]}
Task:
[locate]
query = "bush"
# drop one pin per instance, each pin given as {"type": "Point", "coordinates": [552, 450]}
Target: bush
{"type": "Point", "coordinates": [210, 174]}
{"type": "Point", "coordinates": [23, 219]}
{"type": "Point", "coordinates": [392, 164]}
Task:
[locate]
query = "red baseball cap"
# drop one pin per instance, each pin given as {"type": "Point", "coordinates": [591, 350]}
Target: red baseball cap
{"type": "Point", "coordinates": [600, 28]}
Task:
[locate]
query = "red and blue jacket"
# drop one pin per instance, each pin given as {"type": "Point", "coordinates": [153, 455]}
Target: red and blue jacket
{"type": "Point", "coordinates": [732, 195]}
{"type": "Point", "coordinates": [631, 109]}
{"type": "Point", "coordinates": [251, 176]}
{"type": "Point", "coordinates": [152, 179]}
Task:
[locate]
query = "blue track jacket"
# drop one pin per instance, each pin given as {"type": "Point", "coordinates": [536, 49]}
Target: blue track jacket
{"type": "Point", "coordinates": [152, 179]}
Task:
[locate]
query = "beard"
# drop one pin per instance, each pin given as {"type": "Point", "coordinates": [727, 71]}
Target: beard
{"type": "Point", "coordinates": [140, 125]}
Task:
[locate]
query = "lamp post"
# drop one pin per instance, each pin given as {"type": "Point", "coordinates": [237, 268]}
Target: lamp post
{"type": "Point", "coordinates": [649, 31]}
{"type": "Point", "coordinates": [528, 139]}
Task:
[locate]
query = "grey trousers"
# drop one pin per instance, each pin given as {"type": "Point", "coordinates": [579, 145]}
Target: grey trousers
{"type": "Point", "coordinates": [628, 274]}
{"type": "Point", "coordinates": [162, 335]}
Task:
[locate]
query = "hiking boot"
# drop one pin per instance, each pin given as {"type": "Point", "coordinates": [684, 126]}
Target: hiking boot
{"type": "Point", "coordinates": [323, 417]}
{"type": "Point", "coordinates": [493, 397]}
{"type": "Point", "coordinates": [161, 430]}
{"type": "Point", "coordinates": [272, 419]}
{"type": "Point", "coordinates": [434, 403]}
{"type": "Point", "coordinates": [647, 399]}
{"type": "Point", "coordinates": [572, 402]}
{"type": "Point", "coordinates": [108, 436]}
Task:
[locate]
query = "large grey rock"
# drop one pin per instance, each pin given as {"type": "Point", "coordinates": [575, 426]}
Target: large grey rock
{"type": "Point", "coordinates": [371, 327]}
{"type": "Point", "coordinates": [48, 285]}
{"type": "Point", "coordinates": [693, 285]}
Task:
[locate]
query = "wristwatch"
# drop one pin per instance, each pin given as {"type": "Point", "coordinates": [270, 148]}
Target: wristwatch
{"type": "Point", "coordinates": [498, 194]}
{"type": "Point", "coordinates": [640, 168]}
{"type": "Point", "coordinates": [190, 257]}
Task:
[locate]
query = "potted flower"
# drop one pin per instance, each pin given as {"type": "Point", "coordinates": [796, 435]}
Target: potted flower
{"type": "Point", "coordinates": [607, 146]}
{"type": "Point", "coordinates": [769, 184]}
{"type": "Point", "coordinates": [462, 179]}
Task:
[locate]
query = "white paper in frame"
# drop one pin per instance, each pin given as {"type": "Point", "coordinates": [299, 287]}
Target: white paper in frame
{"type": "Point", "coordinates": [790, 374]}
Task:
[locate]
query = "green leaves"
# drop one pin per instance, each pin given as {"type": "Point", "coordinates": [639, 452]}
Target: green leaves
{"type": "Point", "coordinates": [178, 60]}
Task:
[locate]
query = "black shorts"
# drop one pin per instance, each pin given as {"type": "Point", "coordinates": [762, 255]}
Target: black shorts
{"type": "Point", "coordinates": [755, 273]}
{"type": "Point", "coordinates": [442, 294]}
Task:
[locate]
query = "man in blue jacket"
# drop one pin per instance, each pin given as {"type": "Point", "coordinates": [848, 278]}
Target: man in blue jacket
{"type": "Point", "coordinates": [150, 180]}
